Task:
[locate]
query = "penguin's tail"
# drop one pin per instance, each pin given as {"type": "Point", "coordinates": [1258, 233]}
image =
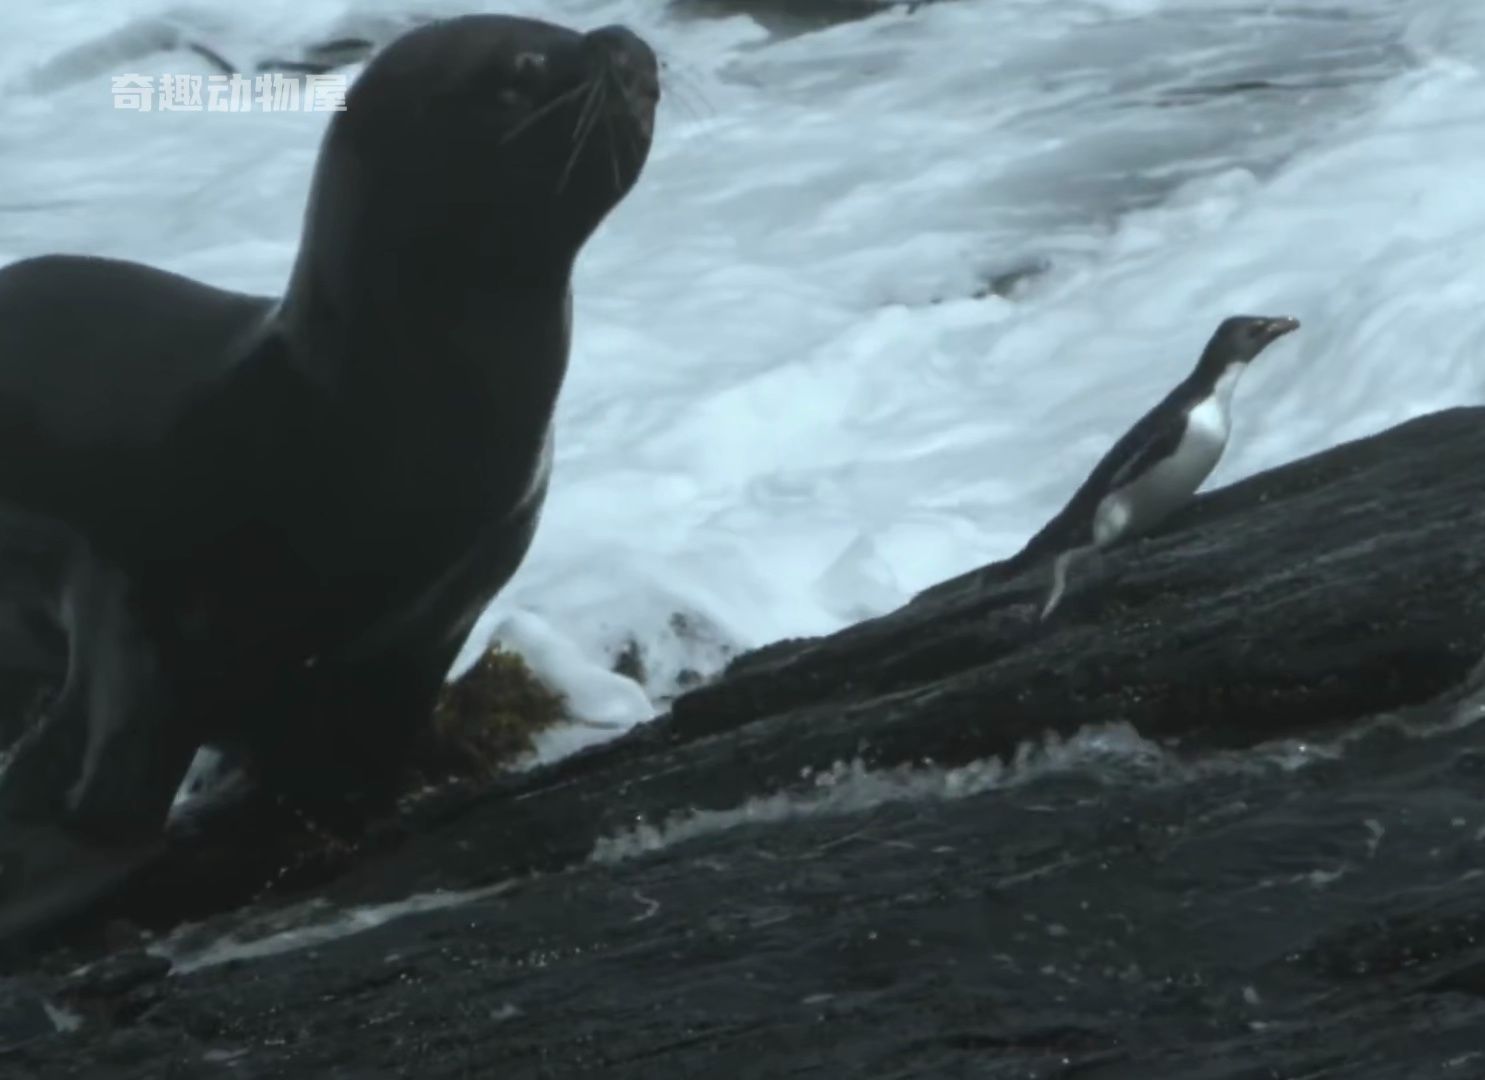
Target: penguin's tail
{"type": "Point", "coordinates": [1056, 536]}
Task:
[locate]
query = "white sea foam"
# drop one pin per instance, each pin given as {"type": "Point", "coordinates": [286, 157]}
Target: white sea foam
{"type": "Point", "coordinates": [1114, 753]}
{"type": "Point", "coordinates": [786, 410]}
{"type": "Point", "coordinates": [848, 788]}
{"type": "Point", "coordinates": [300, 927]}
{"type": "Point", "coordinates": [63, 1020]}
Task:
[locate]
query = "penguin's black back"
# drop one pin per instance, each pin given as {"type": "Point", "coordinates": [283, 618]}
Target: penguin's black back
{"type": "Point", "coordinates": [1154, 436]}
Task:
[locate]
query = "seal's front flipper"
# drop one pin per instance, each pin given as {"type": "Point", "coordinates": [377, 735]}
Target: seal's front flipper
{"type": "Point", "coordinates": [136, 756]}
{"type": "Point", "coordinates": [102, 755]}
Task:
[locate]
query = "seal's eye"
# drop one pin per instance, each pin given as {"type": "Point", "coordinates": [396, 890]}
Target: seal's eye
{"type": "Point", "coordinates": [522, 80]}
{"type": "Point", "coordinates": [529, 67]}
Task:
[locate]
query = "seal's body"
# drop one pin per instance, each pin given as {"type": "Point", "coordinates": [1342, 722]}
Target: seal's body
{"type": "Point", "coordinates": [1156, 467]}
{"type": "Point", "coordinates": [313, 498]}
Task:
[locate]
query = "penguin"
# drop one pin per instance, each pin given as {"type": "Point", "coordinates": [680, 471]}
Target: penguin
{"type": "Point", "coordinates": [1156, 467]}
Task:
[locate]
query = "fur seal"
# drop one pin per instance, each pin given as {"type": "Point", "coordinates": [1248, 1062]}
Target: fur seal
{"type": "Point", "coordinates": [1158, 464]}
{"type": "Point", "coordinates": [302, 504]}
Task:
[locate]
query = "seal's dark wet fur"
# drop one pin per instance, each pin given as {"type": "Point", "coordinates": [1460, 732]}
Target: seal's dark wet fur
{"type": "Point", "coordinates": [303, 505]}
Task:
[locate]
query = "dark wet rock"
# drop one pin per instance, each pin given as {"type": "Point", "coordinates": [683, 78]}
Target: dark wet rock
{"type": "Point", "coordinates": [630, 662]}
{"type": "Point", "coordinates": [1179, 913]}
{"type": "Point", "coordinates": [23, 1017]}
{"type": "Point", "coordinates": [322, 57]}
{"type": "Point", "coordinates": [669, 658]}
{"type": "Point", "coordinates": [787, 18]}
{"type": "Point", "coordinates": [117, 974]}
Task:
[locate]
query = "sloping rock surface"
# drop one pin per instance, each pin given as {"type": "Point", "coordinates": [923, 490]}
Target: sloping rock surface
{"type": "Point", "coordinates": [1283, 880]}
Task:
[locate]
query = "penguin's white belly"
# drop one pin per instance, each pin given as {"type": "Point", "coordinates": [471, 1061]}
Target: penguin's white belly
{"type": "Point", "coordinates": [1150, 498]}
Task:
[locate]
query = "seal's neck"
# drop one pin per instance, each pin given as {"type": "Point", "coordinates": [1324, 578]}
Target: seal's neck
{"type": "Point", "coordinates": [391, 326]}
{"type": "Point", "coordinates": [394, 289]}
{"type": "Point", "coordinates": [434, 394]}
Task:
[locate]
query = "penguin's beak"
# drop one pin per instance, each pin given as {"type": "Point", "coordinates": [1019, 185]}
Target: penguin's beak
{"type": "Point", "coordinates": [1277, 328]}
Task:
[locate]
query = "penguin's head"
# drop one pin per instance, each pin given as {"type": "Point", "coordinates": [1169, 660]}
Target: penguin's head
{"type": "Point", "coordinates": [1242, 337]}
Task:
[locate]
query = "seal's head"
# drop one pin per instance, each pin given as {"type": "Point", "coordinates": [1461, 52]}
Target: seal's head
{"type": "Point", "coordinates": [484, 146]}
{"type": "Point", "coordinates": [1242, 337]}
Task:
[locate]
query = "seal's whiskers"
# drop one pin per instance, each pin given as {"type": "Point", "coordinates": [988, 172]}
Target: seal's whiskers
{"type": "Point", "coordinates": [586, 121]}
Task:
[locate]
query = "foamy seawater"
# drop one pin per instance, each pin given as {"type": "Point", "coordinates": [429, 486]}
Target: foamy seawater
{"type": "Point", "coordinates": [886, 290]}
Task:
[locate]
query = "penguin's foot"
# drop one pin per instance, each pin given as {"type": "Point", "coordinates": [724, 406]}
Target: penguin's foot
{"type": "Point", "coordinates": [1059, 583]}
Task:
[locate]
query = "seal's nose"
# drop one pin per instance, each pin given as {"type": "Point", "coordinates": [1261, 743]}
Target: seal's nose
{"type": "Point", "coordinates": [630, 58]}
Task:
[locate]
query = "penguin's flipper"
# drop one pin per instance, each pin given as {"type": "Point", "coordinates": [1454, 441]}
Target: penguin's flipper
{"type": "Point", "coordinates": [1149, 444]}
